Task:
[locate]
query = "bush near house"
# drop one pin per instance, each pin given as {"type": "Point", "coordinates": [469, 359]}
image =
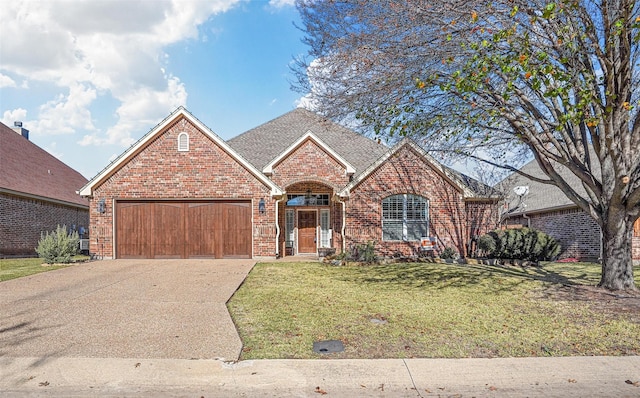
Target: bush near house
{"type": "Point", "coordinates": [59, 246]}
{"type": "Point", "coordinates": [520, 244]}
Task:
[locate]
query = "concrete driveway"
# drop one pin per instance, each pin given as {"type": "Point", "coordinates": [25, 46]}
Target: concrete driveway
{"type": "Point", "coordinates": [124, 309]}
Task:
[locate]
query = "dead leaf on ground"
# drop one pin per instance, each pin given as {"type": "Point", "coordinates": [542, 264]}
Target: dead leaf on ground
{"type": "Point", "coordinates": [43, 383]}
{"type": "Point", "coordinates": [572, 381]}
{"type": "Point", "coordinates": [492, 388]}
{"type": "Point", "coordinates": [633, 383]}
{"type": "Point", "coordinates": [137, 365]}
{"type": "Point", "coordinates": [320, 391]}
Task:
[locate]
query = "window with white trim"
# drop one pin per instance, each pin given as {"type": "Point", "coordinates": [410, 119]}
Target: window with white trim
{"type": "Point", "coordinates": [183, 142]}
{"type": "Point", "coordinates": [289, 220]}
{"type": "Point", "coordinates": [325, 232]}
{"type": "Point", "coordinates": [405, 217]}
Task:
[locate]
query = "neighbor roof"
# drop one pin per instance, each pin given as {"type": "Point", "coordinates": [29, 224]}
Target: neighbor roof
{"type": "Point", "coordinates": [540, 197]}
{"type": "Point", "coordinates": [27, 169]}
{"type": "Point", "coordinates": [264, 143]}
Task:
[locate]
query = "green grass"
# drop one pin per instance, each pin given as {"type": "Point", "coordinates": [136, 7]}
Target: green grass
{"type": "Point", "coordinates": [431, 310]}
{"type": "Point", "coordinates": [19, 267]}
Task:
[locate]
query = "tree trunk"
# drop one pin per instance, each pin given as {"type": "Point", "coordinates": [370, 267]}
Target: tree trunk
{"type": "Point", "coordinates": [617, 263]}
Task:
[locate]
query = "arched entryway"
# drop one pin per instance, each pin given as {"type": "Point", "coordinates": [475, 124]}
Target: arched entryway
{"type": "Point", "coordinates": [309, 217]}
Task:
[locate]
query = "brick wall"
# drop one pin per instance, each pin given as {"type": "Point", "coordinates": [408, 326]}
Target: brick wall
{"type": "Point", "coordinates": [407, 173]}
{"type": "Point", "coordinates": [577, 233]}
{"type": "Point", "coordinates": [159, 171]}
{"type": "Point", "coordinates": [23, 220]}
{"type": "Point", "coordinates": [309, 162]}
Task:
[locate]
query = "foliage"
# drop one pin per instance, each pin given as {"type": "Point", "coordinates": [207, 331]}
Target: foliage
{"type": "Point", "coordinates": [58, 247]}
{"type": "Point", "coordinates": [499, 81]}
{"type": "Point", "coordinates": [519, 243]}
{"type": "Point", "coordinates": [363, 253]}
{"type": "Point", "coordinates": [449, 253]}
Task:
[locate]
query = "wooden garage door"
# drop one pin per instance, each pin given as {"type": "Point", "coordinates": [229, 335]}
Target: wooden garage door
{"type": "Point", "coordinates": [183, 229]}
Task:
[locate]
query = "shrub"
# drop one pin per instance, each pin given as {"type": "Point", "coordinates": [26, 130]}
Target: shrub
{"type": "Point", "coordinates": [449, 253]}
{"type": "Point", "coordinates": [58, 246]}
{"type": "Point", "coordinates": [364, 253]}
{"type": "Point", "coordinates": [521, 243]}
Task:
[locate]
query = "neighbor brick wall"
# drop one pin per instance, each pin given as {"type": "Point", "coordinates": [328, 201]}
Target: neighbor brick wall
{"type": "Point", "coordinates": [406, 172]}
{"type": "Point", "coordinates": [310, 162]}
{"type": "Point", "coordinates": [577, 233]}
{"type": "Point", "coordinates": [159, 171]}
{"type": "Point", "coordinates": [23, 220]}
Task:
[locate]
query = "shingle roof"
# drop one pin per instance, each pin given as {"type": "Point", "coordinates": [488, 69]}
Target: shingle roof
{"type": "Point", "coordinates": [26, 168]}
{"type": "Point", "coordinates": [540, 196]}
{"type": "Point", "coordinates": [264, 143]}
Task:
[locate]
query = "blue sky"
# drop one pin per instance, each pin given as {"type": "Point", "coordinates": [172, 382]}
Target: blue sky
{"type": "Point", "coordinates": [90, 77]}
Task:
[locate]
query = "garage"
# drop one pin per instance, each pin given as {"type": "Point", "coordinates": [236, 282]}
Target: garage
{"type": "Point", "coordinates": [183, 229]}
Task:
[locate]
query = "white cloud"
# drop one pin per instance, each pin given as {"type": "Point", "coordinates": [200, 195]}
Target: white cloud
{"type": "Point", "coordinates": [16, 115]}
{"type": "Point", "coordinates": [93, 48]}
{"type": "Point", "coordinates": [281, 3]}
{"type": "Point", "coordinates": [6, 81]}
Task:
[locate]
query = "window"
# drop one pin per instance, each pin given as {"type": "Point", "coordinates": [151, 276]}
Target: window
{"type": "Point", "coordinates": [289, 227]}
{"type": "Point", "coordinates": [405, 217]}
{"type": "Point", "coordinates": [183, 142]}
{"type": "Point", "coordinates": [636, 228]}
{"type": "Point", "coordinates": [308, 200]}
{"type": "Point", "coordinates": [325, 232]}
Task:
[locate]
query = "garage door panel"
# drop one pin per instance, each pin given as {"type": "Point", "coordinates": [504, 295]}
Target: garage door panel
{"type": "Point", "coordinates": [168, 230]}
{"type": "Point", "coordinates": [183, 229]}
{"type": "Point", "coordinates": [236, 217]}
{"type": "Point", "coordinates": [201, 230]}
{"type": "Point", "coordinates": [133, 230]}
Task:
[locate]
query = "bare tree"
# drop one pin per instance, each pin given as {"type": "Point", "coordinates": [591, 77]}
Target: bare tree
{"type": "Point", "coordinates": [499, 80]}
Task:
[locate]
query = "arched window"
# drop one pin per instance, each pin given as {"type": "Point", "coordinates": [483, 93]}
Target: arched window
{"type": "Point", "coordinates": [183, 142]}
{"type": "Point", "coordinates": [405, 217]}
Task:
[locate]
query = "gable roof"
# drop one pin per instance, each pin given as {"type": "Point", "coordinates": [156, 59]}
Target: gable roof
{"type": "Point", "coordinates": [468, 186]}
{"type": "Point", "coordinates": [27, 169]}
{"type": "Point", "coordinates": [262, 144]}
{"type": "Point", "coordinates": [268, 169]}
{"type": "Point", "coordinates": [181, 112]}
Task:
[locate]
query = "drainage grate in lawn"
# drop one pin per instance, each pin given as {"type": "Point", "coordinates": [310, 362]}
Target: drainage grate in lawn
{"type": "Point", "coordinates": [328, 346]}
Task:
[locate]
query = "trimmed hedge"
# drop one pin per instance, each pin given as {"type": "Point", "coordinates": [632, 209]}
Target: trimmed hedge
{"type": "Point", "coordinates": [520, 244]}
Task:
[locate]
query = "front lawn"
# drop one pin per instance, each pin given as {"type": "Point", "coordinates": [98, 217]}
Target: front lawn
{"type": "Point", "coordinates": [18, 267]}
{"type": "Point", "coordinates": [432, 311]}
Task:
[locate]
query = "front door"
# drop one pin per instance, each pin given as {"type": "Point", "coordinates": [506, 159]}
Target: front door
{"type": "Point", "coordinates": [307, 232]}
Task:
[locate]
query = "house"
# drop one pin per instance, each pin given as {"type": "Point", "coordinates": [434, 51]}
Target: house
{"type": "Point", "coordinates": [546, 208]}
{"type": "Point", "coordinates": [37, 193]}
{"type": "Point", "coordinates": [296, 185]}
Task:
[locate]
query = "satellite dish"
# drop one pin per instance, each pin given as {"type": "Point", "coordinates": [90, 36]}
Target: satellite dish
{"type": "Point", "coordinates": [521, 190]}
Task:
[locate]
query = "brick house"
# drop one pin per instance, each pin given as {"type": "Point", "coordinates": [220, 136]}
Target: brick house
{"type": "Point", "coordinates": [37, 193]}
{"type": "Point", "coordinates": [296, 185]}
{"type": "Point", "coordinates": [546, 208]}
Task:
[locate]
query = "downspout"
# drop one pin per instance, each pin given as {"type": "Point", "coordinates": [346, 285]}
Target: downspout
{"type": "Point", "coordinates": [526, 217]}
{"type": "Point", "coordinates": [278, 226]}
{"type": "Point", "coordinates": [344, 223]}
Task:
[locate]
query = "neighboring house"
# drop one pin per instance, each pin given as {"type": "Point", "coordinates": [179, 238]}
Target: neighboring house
{"type": "Point", "coordinates": [546, 208]}
{"type": "Point", "coordinates": [37, 193]}
{"type": "Point", "coordinates": [298, 184]}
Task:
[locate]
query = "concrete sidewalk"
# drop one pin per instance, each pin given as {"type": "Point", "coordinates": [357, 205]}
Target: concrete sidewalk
{"type": "Point", "coordinates": [510, 377]}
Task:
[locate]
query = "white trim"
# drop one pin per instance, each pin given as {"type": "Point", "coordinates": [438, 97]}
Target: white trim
{"type": "Point", "coordinates": [328, 230]}
{"type": "Point", "coordinates": [268, 169]}
{"type": "Point", "coordinates": [87, 190]}
{"type": "Point", "coordinates": [183, 146]}
{"type": "Point", "coordinates": [346, 191]}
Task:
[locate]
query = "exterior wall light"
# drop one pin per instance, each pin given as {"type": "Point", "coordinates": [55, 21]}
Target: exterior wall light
{"type": "Point", "coordinates": [102, 206]}
{"type": "Point", "coordinates": [262, 206]}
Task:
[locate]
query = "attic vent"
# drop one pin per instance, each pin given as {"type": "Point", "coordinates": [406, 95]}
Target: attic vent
{"type": "Point", "coordinates": [183, 142]}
